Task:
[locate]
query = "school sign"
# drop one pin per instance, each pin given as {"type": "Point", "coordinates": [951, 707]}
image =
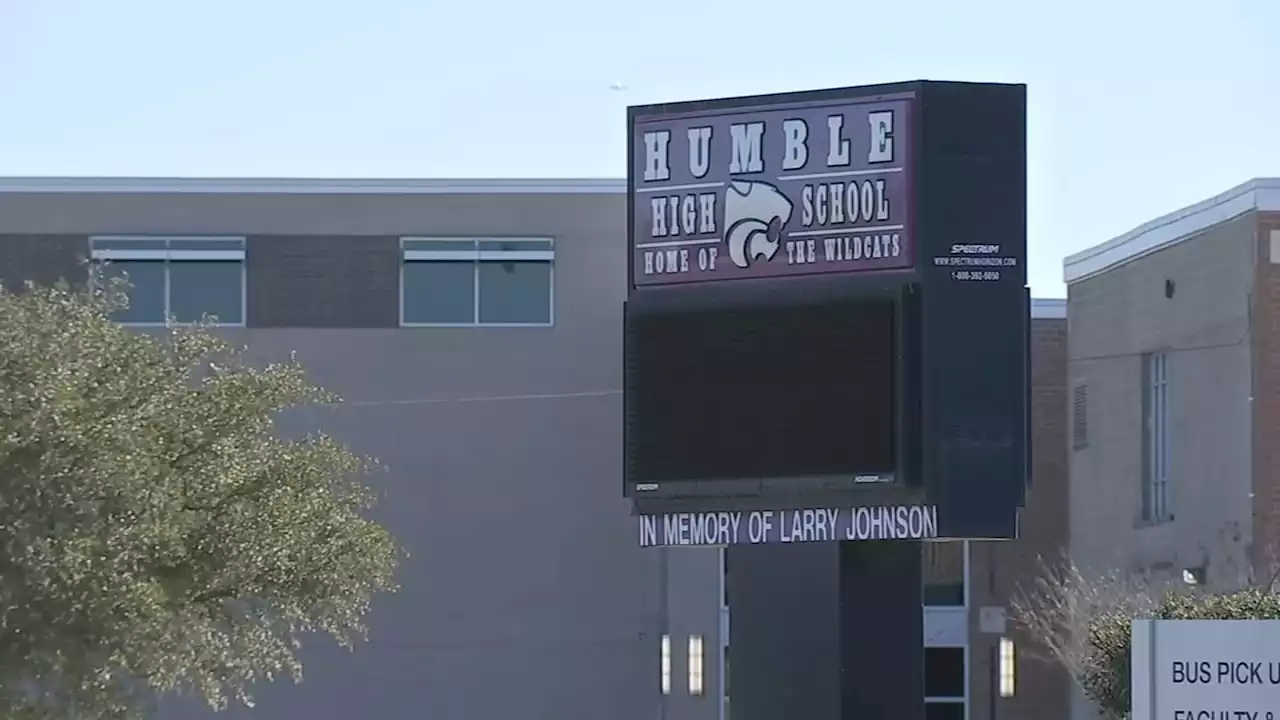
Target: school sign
{"type": "Point", "coordinates": [781, 190]}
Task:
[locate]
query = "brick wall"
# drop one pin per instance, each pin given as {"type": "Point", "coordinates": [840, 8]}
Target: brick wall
{"type": "Point", "coordinates": [1265, 550]}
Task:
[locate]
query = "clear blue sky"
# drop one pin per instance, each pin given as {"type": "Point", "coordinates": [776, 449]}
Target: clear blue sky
{"type": "Point", "coordinates": [1137, 106]}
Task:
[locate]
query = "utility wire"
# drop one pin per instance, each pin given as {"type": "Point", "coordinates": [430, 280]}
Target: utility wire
{"type": "Point", "coordinates": [1172, 350]}
{"type": "Point", "coordinates": [522, 397]}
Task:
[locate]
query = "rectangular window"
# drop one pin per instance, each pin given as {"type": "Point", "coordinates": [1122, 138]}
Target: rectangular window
{"type": "Point", "coordinates": [178, 279]}
{"type": "Point", "coordinates": [1156, 501]}
{"type": "Point", "coordinates": [944, 675]}
{"type": "Point", "coordinates": [476, 281]}
{"type": "Point", "coordinates": [944, 573]}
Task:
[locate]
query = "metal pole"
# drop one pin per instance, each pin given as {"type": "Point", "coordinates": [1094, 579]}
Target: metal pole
{"type": "Point", "coordinates": [720, 635]}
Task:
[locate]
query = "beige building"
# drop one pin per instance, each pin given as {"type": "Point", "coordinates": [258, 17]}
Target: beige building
{"type": "Point", "coordinates": [1174, 358]}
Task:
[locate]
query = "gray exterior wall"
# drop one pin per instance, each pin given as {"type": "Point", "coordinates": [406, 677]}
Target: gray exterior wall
{"type": "Point", "coordinates": [1116, 317]}
{"type": "Point", "coordinates": [525, 595]}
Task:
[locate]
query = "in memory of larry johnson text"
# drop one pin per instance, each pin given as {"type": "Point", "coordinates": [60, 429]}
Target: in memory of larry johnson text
{"type": "Point", "coordinates": [880, 522]}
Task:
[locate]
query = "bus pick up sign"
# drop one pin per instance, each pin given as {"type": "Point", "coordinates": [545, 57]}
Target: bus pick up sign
{"type": "Point", "coordinates": [1205, 670]}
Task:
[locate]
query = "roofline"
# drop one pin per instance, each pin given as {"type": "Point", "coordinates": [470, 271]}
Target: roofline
{"type": "Point", "coordinates": [314, 186]}
{"type": "Point", "coordinates": [1048, 309]}
{"type": "Point", "coordinates": [1257, 195]}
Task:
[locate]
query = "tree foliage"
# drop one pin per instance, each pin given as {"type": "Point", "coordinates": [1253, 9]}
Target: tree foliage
{"type": "Point", "coordinates": [158, 534]}
{"type": "Point", "coordinates": [1083, 622]}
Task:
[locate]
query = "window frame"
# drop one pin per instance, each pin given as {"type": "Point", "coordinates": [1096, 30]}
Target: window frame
{"type": "Point", "coordinates": [167, 249]}
{"type": "Point", "coordinates": [1157, 453]}
{"type": "Point", "coordinates": [468, 251]}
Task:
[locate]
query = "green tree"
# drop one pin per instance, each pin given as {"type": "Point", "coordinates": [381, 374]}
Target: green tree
{"type": "Point", "coordinates": [1082, 621]}
{"type": "Point", "coordinates": [158, 535]}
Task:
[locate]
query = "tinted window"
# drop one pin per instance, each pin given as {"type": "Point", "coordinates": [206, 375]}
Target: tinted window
{"type": "Point", "coordinates": [944, 672]}
{"type": "Point", "coordinates": [439, 292]}
{"type": "Point", "coordinates": [943, 573]}
{"type": "Point", "coordinates": [183, 279]}
{"type": "Point", "coordinates": [515, 292]}
{"type": "Point", "coordinates": [212, 287]}
{"type": "Point", "coordinates": [146, 289]}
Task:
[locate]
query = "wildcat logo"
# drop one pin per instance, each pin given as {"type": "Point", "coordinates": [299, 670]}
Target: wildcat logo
{"type": "Point", "coordinates": [755, 213]}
